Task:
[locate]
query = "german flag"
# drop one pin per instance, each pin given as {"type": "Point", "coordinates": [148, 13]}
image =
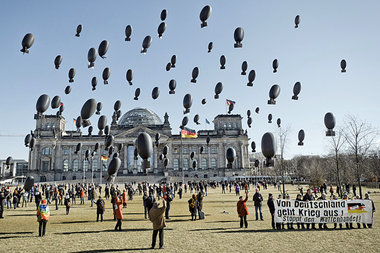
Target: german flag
{"type": "Point", "coordinates": [188, 133]}
{"type": "Point", "coordinates": [228, 102]}
{"type": "Point", "coordinates": [104, 158]}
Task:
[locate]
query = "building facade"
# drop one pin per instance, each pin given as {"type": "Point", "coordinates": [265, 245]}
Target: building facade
{"type": "Point", "coordinates": [53, 157]}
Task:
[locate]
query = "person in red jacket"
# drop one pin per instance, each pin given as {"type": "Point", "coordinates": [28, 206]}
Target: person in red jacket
{"type": "Point", "coordinates": [118, 210]}
{"type": "Point", "coordinates": [124, 198]}
{"type": "Point", "coordinates": [242, 210]}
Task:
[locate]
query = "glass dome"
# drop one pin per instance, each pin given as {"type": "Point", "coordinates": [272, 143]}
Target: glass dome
{"type": "Point", "coordinates": [139, 116]}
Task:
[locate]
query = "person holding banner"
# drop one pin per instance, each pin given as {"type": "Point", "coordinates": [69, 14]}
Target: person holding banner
{"type": "Point", "coordinates": [335, 224]}
{"type": "Point", "coordinates": [242, 210]}
{"type": "Point", "coordinates": [299, 198]}
{"type": "Point", "coordinates": [324, 226]}
{"type": "Point", "coordinates": [373, 209]}
{"type": "Point", "coordinates": [271, 209]}
{"type": "Point", "coordinates": [309, 197]}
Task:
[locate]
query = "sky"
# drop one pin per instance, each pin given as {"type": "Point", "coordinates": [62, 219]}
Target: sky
{"type": "Point", "coordinates": [329, 31]}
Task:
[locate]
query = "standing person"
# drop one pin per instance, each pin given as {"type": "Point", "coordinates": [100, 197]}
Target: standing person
{"type": "Point", "coordinates": [81, 196]}
{"type": "Point", "coordinates": [25, 198]}
{"type": "Point", "coordinates": [201, 215]}
{"type": "Point", "coordinates": [118, 209]}
{"type": "Point", "coordinates": [299, 198]}
{"type": "Point", "coordinates": [258, 199]}
{"type": "Point", "coordinates": [366, 196]}
{"type": "Point", "coordinates": [223, 188]}
{"type": "Point", "coordinates": [168, 197]}
{"type": "Point", "coordinates": [37, 198]}
{"type": "Point", "coordinates": [237, 189]}
{"type": "Point", "coordinates": [124, 199]}
{"type": "Point", "coordinates": [107, 192]}
{"type": "Point", "coordinates": [2, 199]}
{"type": "Point", "coordinates": [270, 204]}
{"type": "Point", "coordinates": [309, 197]}
{"type": "Point", "coordinates": [193, 203]}
{"type": "Point", "coordinates": [43, 215]}
{"type": "Point", "coordinates": [180, 192]}
{"type": "Point", "coordinates": [15, 200]}
{"type": "Point", "coordinates": [242, 210]}
{"type": "Point", "coordinates": [156, 216]}
{"type": "Point", "coordinates": [148, 203]}
{"type": "Point", "coordinates": [67, 203]}
{"type": "Point", "coordinates": [100, 208]}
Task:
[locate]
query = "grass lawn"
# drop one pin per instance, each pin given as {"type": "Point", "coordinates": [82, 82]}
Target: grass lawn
{"type": "Point", "coordinates": [219, 232]}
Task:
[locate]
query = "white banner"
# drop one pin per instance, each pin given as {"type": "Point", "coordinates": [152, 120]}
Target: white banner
{"type": "Point", "coordinates": [323, 211]}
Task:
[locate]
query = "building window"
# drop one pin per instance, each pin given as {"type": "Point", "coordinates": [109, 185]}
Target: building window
{"type": "Point", "coordinates": [175, 164]}
{"type": "Point", "coordinates": [104, 165]}
{"type": "Point", "coordinates": [42, 179]}
{"type": "Point", "coordinates": [235, 126]}
{"type": "Point", "coordinates": [95, 165]}
{"type": "Point", "coordinates": [195, 150]}
{"type": "Point", "coordinates": [85, 165]}
{"type": "Point", "coordinates": [204, 163]}
{"type": "Point", "coordinates": [65, 165]}
{"type": "Point", "coordinates": [213, 163]}
{"type": "Point", "coordinates": [46, 151]}
{"type": "Point", "coordinates": [75, 165]}
{"type": "Point", "coordinates": [204, 150]}
{"type": "Point", "coordinates": [185, 151]}
{"type": "Point", "coordinates": [213, 150]}
{"type": "Point", "coordinates": [229, 125]}
{"type": "Point", "coordinates": [45, 165]}
{"type": "Point", "coordinates": [196, 162]}
{"type": "Point", "coordinates": [74, 177]}
{"type": "Point", "coordinates": [65, 150]}
{"type": "Point", "coordinates": [63, 177]}
{"type": "Point", "coordinates": [224, 125]}
{"type": "Point", "coordinates": [185, 164]}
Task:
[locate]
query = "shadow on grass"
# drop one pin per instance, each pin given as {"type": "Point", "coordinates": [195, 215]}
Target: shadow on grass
{"type": "Point", "coordinates": [27, 214]}
{"type": "Point", "coordinates": [111, 250]}
{"type": "Point", "coordinates": [242, 230]}
{"type": "Point", "coordinates": [13, 237]}
{"type": "Point", "coordinates": [16, 233]}
{"type": "Point", "coordinates": [223, 221]}
{"type": "Point", "coordinates": [109, 230]}
{"type": "Point", "coordinates": [207, 229]}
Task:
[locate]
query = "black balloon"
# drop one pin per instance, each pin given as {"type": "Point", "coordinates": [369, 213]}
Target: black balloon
{"type": "Point", "coordinates": [253, 146]}
{"type": "Point", "coordinates": [55, 102]}
{"type": "Point", "coordinates": [238, 36]}
{"type": "Point", "coordinates": [204, 15]}
{"type": "Point", "coordinates": [168, 66]}
{"type": "Point", "coordinates": [117, 105]}
{"type": "Point", "coordinates": [137, 94]}
{"type": "Point", "coordinates": [185, 120]}
{"type": "Point", "coordinates": [268, 147]}
{"type": "Point", "coordinates": [251, 77]}
{"type": "Point", "coordinates": [88, 109]}
{"type": "Point", "coordinates": [278, 122]}
{"type": "Point", "coordinates": [107, 130]}
{"type": "Point", "coordinates": [297, 21]}
{"type": "Point", "coordinates": [129, 76]}
{"type": "Point", "coordinates": [103, 48]}
{"type": "Point", "coordinates": [172, 86]}
{"type": "Point", "coordinates": [9, 161]}
{"type": "Point", "coordinates": [330, 124]}
{"type": "Point", "coordinates": [165, 151]}
{"type": "Point", "coordinates": [270, 118]}
{"type": "Point", "coordinates": [32, 143]}
{"type": "Point", "coordinates": [163, 15]}
{"type": "Point", "coordinates": [94, 82]}
{"type": "Point", "coordinates": [194, 164]}
{"type": "Point", "coordinates": [71, 75]}
{"type": "Point", "coordinates": [78, 122]}
{"type": "Point", "coordinates": [106, 75]}
{"type": "Point", "coordinates": [210, 46]}
{"type": "Point", "coordinates": [204, 101]}
{"type": "Point", "coordinates": [343, 65]}
{"type": "Point", "coordinates": [208, 139]}
{"type": "Point", "coordinates": [273, 94]}
{"type": "Point", "coordinates": [114, 166]}
{"type": "Point", "coordinates": [231, 156]}
{"type": "Point", "coordinates": [249, 122]}
{"type": "Point", "coordinates": [166, 162]}
{"type": "Point", "coordinates": [155, 92]}
{"type": "Point", "coordinates": [78, 148]}
{"type": "Point", "coordinates": [67, 89]}
{"type": "Point", "coordinates": [192, 154]}
{"type": "Point", "coordinates": [201, 149]}
{"type": "Point", "coordinates": [42, 103]}
{"type": "Point", "coordinates": [275, 65]}
{"type": "Point", "coordinates": [194, 74]}
{"type": "Point", "coordinates": [173, 61]}
{"type": "Point", "coordinates": [248, 113]}
{"type": "Point", "coordinates": [91, 57]}
{"type": "Point", "coordinates": [102, 122]}
{"type": "Point", "coordinates": [296, 90]}
{"type": "Point", "coordinates": [144, 148]}
{"type": "Point", "coordinates": [244, 67]}
{"type": "Point", "coordinates": [222, 62]}
{"type": "Point", "coordinates": [230, 108]}
{"type": "Point", "coordinates": [79, 30]}
{"type": "Point", "coordinates": [99, 107]}
{"type": "Point", "coordinates": [187, 102]}
{"type": "Point", "coordinates": [257, 110]}
{"type": "Point", "coordinates": [96, 147]}
{"type": "Point", "coordinates": [108, 142]}
{"type": "Point", "coordinates": [128, 33]}
{"type": "Point", "coordinates": [146, 44]}
{"type": "Point", "coordinates": [27, 140]}
{"type": "Point", "coordinates": [196, 119]}
{"type": "Point", "coordinates": [218, 90]}
{"type": "Point", "coordinates": [29, 182]}
{"type": "Point", "coordinates": [161, 29]}
{"type": "Point", "coordinates": [57, 61]}
{"type": "Point", "coordinates": [27, 43]}
{"type": "Point", "coordinates": [301, 137]}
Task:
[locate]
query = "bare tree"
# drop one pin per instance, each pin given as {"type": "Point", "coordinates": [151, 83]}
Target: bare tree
{"type": "Point", "coordinates": [283, 139]}
{"type": "Point", "coordinates": [336, 143]}
{"type": "Point", "coordinates": [360, 137]}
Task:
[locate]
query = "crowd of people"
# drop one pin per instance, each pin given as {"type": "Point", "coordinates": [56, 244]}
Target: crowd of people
{"type": "Point", "coordinates": [157, 199]}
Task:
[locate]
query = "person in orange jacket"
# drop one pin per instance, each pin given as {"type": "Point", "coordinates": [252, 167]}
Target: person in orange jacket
{"type": "Point", "coordinates": [242, 210]}
{"type": "Point", "coordinates": [118, 211]}
{"type": "Point", "coordinates": [43, 215]}
{"type": "Point", "coordinates": [81, 196]}
{"type": "Point", "coordinates": [124, 197]}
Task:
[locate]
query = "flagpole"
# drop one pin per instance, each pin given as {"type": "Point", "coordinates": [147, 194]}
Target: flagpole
{"type": "Point", "coordinates": [181, 155]}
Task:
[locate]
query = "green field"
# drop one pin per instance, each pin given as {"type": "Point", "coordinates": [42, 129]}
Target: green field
{"type": "Point", "coordinates": [219, 232]}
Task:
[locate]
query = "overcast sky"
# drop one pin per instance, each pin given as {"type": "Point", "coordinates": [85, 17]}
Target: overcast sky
{"type": "Point", "coordinates": [329, 32]}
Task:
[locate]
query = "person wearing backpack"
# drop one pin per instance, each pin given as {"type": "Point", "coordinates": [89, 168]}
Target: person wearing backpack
{"type": "Point", "coordinates": [193, 203]}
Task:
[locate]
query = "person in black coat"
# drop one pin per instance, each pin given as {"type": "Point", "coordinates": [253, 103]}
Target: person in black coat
{"type": "Point", "coordinates": [309, 197]}
{"type": "Point", "coordinates": [258, 199]}
{"type": "Point", "coordinates": [100, 208]}
{"type": "Point", "coordinates": [271, 208]}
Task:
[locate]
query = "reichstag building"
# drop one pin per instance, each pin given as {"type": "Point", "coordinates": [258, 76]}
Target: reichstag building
{"type": "Point", "coordinates": [53, 158]}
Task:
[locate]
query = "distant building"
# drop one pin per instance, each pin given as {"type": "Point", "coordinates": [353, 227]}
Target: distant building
{"type": "Point", "coordinates": [18, 167]}
{"type": "Point", "coordinates": [53, 157]}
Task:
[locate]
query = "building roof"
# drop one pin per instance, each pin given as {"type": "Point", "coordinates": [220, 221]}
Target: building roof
{"type": "Point", "coordinates": [139, 116]}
